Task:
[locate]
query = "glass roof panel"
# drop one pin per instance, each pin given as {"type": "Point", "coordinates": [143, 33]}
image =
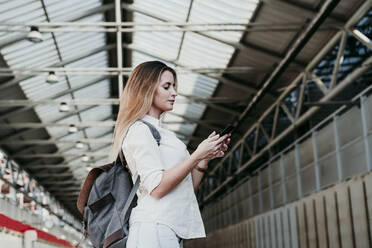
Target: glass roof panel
{"type": "Point", "coordinates": [166, 9]}
{"type": "Point", "coordinates": [91, 114]}
{"type": "Point", "coordinates": [210, 11]}
{"type": "Point", "coordinates": [162, 44]}
{"type": "Point", "coordinates": [100, 90]}
{"type": "Point", "coordinates": [67, 9]}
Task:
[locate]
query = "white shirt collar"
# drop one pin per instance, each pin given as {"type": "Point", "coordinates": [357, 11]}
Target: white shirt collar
{"type": "Point", "coordinates": [152, 120]}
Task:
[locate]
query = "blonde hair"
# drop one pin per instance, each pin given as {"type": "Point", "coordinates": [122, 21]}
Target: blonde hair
{"type": "Point", "coordinates": [137, 99]}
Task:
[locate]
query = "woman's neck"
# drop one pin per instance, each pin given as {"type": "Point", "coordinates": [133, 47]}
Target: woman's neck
{"type": "Point", "coordinates": [154, 113]}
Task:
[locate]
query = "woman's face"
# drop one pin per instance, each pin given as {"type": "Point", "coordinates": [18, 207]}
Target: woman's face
{"type": "Point", "coordinates": [165, 93]}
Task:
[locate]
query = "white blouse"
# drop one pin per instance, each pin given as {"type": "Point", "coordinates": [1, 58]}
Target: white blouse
{"type": "Point", "coordinates": [179, 208]}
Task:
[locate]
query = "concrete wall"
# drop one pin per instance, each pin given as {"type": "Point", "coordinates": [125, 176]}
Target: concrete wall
{"type": "Point", "coordinates": [339, 216]}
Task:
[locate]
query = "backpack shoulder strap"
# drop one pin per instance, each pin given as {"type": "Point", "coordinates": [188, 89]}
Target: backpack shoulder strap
{"type": "Point", "coordinates": [123, 214]}
{"type": "Point", "coordinates": [155, 133]}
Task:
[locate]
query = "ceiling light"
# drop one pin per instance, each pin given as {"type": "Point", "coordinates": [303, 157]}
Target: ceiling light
{"type": "Point", "coordinates": [79, 145]}
{"type": "Point", "coordinates": [72, 128]}
{"type": "Point", "coordinates": [85, 158]}
{"type": "Point", "coordinates": [34, 35]}
{"type": "Point", "coordinates": [63, 107]}
{"type": "Point", "coordinates": [52, 78]}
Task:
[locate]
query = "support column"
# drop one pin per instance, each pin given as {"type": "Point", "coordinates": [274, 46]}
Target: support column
{"type": "Point", "coordinates": [119, 45]}
{"type": "Point", "coordinates": [367, 145]}
{"type": "Point", "coordinates": [338, 149]}
{"type": "Point", "coordinates": [316, 161]}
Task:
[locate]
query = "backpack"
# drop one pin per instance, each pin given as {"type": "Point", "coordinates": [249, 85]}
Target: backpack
{"type": "Point", "coordinates": [106, 200]}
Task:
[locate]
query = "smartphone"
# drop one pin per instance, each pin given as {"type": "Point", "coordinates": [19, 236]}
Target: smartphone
{"type": "Point", "coordinates": [226, 130]}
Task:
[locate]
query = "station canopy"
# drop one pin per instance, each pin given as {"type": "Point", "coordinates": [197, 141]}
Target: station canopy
{"type": "Point", "coordinates": [234, 58]}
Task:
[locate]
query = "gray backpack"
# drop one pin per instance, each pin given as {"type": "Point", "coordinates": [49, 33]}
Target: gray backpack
{"type": "Point", "coordinates": [106, 200]}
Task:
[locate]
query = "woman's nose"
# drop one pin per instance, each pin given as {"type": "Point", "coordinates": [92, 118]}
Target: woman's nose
{"type": "Point", "coordinates": [174, 92]}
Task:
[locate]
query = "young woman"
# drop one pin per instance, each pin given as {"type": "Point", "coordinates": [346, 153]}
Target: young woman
{"type": "Point", "coordinates": [167, 210]}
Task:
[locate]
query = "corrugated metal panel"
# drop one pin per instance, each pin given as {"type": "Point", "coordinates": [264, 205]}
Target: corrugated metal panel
{"type": "Point", "coordinates": [69, 9]}
{"type": "Point", "coordinates": [24, 54]}
{"type": "Point", "coordinates": [161, 44]}
{"type": "Point", "coordinates": [275, 41]}
{"type": "Point", "coordinates": [167, 9]}
{"type": "Point", "coordinates": [236, 11]}
{"type": "Point", "coordinates": [197, 51]}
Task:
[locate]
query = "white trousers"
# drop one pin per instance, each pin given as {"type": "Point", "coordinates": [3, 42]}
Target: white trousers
{"type": "Point", "coordinates": [152, 235]}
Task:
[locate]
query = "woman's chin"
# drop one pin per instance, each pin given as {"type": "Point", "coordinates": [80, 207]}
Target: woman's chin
{"type": "Point", "coordinates": [169, 108]}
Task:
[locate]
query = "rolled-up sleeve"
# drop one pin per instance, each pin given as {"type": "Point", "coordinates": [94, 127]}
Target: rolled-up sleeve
{"type": "Point", "coordinates": [143, 154]}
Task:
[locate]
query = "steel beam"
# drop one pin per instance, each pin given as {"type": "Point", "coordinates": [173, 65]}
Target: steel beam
{"type": "Point", "coordinates": [223, 80]}
{"type": "Point", "coordinates": [50, 174]}
{"type": "Point", "coordinates": [54, 182]}
{"type": "Point", "coordinates": [361, 37]}
{"type": "Point", "coordinates": [98, 101]}
{"type": "Point", "coordinates": [201, 29]}
{"type": "Point", "coordinates": [19, 125]}
{"type": "Point", "coordinates": [327, 103]}
{"type": "Point", "coordinates": [302, 116]}
{"type": "Point", "coordinates": [319, 83]}
{"type": "Point", "coordinates": [327, 7]}
{"type": "Point", "coordinates": [83, 15]}
{"type": "Point", "coordinates": [62, 93]}
{"type": "Point", "coordinates": [338, 62]}
{"type": "Point", "coordinates": [62, 193]}
{"type": "Point", "coordinates": [109, 101]}
{"type": "Point", "coordinates": [30, 148]}
{"type": "Point", "coordinates": [59, 154]}
{"type": "Point", "coordinates": [54, 141]}
{"type": "Point", "coordinates": [58, 188]}
{"type": "Point", "coordinates": [347, 81]}
{"type": "Point", "coordinates": [17, 80]}
{"type": "Point", "coordinates": [11, 137]}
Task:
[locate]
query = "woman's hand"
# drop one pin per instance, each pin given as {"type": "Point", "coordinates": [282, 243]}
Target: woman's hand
{"type": "Point", "coordinates": [225, 144]}
{"type": "Point", "coordinates": [212, 147]}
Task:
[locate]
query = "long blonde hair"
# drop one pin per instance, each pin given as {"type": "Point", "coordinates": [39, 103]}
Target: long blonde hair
{"type": "Point", "coordinates": [137, 98]}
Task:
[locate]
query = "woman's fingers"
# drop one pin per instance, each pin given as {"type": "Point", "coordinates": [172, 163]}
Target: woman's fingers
{"type": "Point", "coordinates": [220, 154]}
{"type": "Point", "coordinates": [221, 139]}
{"type": "Point", "coordinates": [214, 137]}
{"type": "Point", "coordinates": [224, 148]}
{"type": "Point", "coordinates": [212, 134]}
